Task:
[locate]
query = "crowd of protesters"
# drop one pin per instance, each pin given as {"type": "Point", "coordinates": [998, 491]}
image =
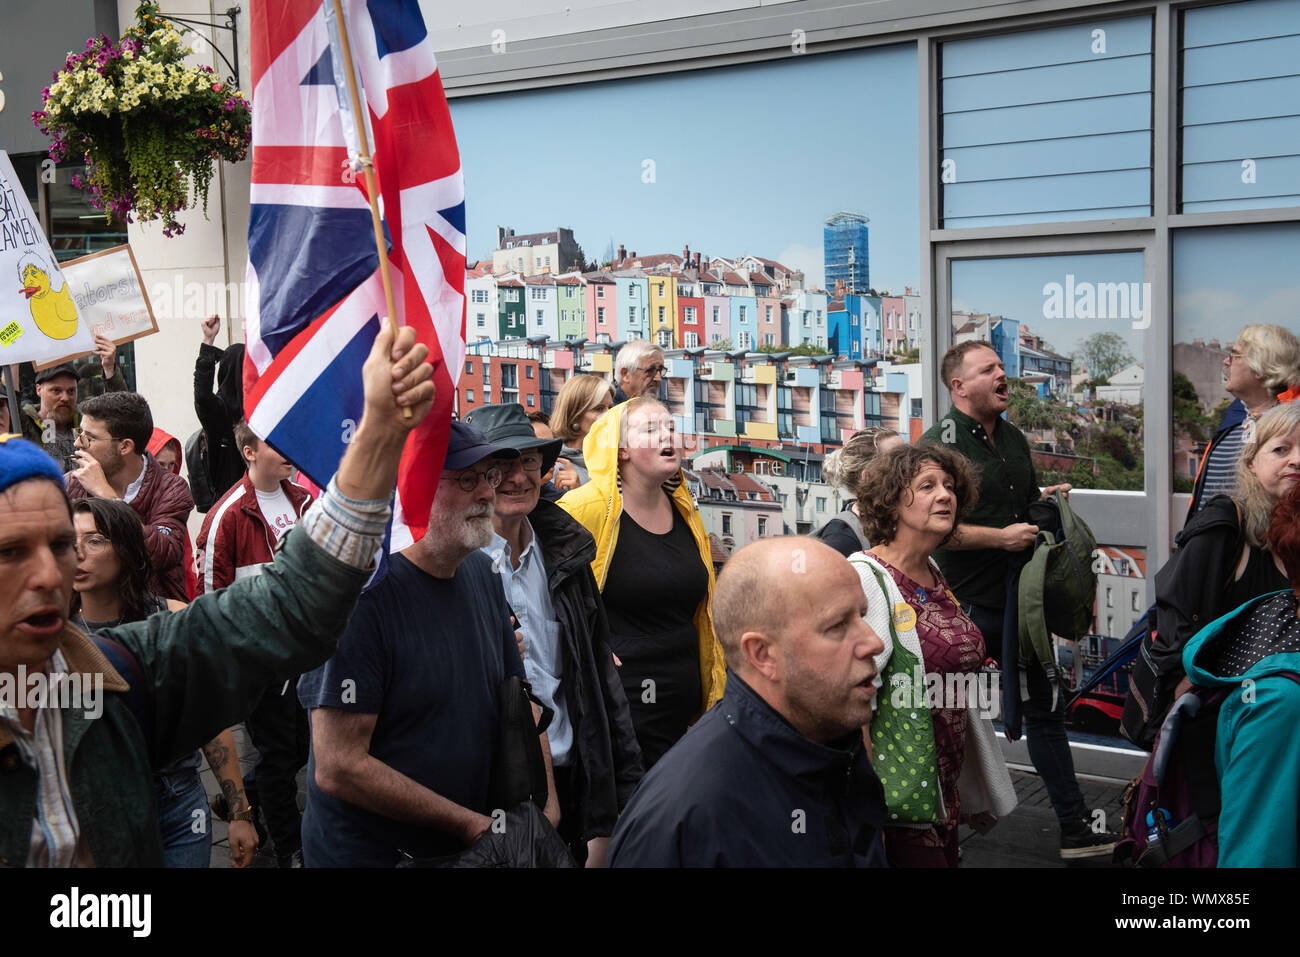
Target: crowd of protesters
{"type": "Point", "coordinates": [671, 717]}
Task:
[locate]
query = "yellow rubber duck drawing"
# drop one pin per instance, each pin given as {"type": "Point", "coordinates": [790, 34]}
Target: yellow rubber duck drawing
{"type": "Point", "coordinates": [53, 310]}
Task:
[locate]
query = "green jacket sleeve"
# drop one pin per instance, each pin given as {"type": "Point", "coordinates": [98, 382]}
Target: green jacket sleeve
{"type": "Point", "coordinates": [208, 664]}
{"type": "Point", "coordinates": [1259, 776]}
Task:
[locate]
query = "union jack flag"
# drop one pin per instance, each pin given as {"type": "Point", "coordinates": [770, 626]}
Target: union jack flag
{"type": "Point", "coordinates": [314, 296]}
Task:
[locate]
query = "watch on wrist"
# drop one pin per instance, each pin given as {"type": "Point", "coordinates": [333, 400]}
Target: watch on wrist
{"type": "Point", "coordinates": [245, 815]}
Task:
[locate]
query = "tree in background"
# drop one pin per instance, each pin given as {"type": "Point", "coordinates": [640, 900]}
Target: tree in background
{"type": "Point", "coordinates": [1103, 353]}
{"type": "Point", "coordinates": [803, 349]}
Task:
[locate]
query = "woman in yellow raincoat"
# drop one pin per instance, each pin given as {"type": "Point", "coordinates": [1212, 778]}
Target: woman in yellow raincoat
{"type": "Point", "coordinates": [654, 569]}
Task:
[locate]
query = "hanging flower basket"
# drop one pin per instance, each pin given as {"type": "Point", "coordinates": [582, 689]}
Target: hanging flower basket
{"type": "Point", "coordinates": [148, 125]}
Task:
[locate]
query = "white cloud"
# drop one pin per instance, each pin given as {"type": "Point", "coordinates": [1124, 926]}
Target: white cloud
{"type": "Point", "coordinates": [807, 259]}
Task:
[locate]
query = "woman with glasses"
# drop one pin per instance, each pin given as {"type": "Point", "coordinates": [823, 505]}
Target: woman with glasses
{"type": "Point", "coordinates": [582, 400]}
{"type": "Point", "coordinates": [1263, 364]}
{"type": "Point", "coordinates": [655, 571]}
{"type": "Point", "coordinates": [111, 589]}
{"type": "Point", "coordinates": [1223, 558]}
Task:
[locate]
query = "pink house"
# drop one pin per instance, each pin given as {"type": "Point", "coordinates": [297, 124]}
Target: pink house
{"type": "Point", "coordinates": [893, 324]}
{"type": "Point", "coordinates": [602, 307]}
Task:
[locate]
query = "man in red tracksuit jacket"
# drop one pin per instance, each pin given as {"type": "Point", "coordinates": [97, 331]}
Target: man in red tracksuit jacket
{"type": "Point", "coordinates": [239, 536]}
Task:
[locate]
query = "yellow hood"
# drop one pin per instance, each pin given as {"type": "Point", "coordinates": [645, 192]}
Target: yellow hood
{"type": "Point", "coordinates": [598, 506]}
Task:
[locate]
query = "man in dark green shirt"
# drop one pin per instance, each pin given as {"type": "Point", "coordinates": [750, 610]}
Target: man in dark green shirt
{"type": "Point", "coordinates": [982, 564]}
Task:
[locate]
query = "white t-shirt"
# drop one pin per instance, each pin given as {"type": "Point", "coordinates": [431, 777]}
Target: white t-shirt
{"type": "Point", "coordinates": [277, 511]}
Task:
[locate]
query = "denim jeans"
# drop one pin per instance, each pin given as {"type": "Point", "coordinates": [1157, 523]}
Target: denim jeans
{"type": "Point", "coordinates": [1049, 748]}
{"type": "Point", "coordinates": [184, 819]}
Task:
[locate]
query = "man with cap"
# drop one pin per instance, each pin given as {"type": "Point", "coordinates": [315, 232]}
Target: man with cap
{"type": "Point", "coordinates": [404, 716]}
{"type": "Point", "coordinates": [544, 559]}
{"type": "Point", "coordinates": [76, 769]}
{"type": "Point", "coordinates": [52, 423]}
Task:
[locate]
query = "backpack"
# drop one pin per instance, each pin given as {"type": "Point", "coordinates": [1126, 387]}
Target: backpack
{"type": "Point", "coordinates": [199, 463]}
{"type": "Point", "coordinates": [1058, 586]}
{"type": "Point", "coordinates": [1171, 811]}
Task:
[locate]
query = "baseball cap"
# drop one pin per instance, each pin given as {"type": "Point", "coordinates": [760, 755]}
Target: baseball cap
{"type": "Point", "coordinates": [468, 445]}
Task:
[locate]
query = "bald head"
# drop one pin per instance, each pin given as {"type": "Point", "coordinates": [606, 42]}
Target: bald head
{"type": "Point", "coordinates": [770, 583]}
{"type": "Point", "coordinates": [789, 613]}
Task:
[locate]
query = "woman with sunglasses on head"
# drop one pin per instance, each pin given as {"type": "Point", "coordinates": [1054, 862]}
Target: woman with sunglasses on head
{"type": "Point", "coordinates": [111, 589]}
{"type": "Point", "coordinates": [582, 400]}
{"type": "Point", "coordinates": [655, 571]}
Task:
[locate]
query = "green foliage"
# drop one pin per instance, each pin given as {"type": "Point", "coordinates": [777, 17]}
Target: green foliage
{"type": "Point", "coordinates": [803, 349]}
{"type": "Point", "coordinates": [147, 125]}
{"type": "Point", "coordinates": [1188, 417]}
{"type": "Point", "coordinates": [723, 343]}
{"type": "Point", "coordinates": [1104, 353]}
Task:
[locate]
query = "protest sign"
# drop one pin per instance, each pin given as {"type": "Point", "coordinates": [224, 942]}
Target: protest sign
{"type": "Point", "coordinates": [39, 321]}
{"type": "Point", "coordinates": [110, 297]}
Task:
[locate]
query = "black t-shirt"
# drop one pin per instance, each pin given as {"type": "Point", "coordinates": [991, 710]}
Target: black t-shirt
{"type": "Point", "coordinates": [653, 589]}
{"type": "Point", "coordinates": [427, 655]}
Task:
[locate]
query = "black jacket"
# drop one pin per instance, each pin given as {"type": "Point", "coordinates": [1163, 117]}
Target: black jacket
{"type": "Point", "coordinates": [608, 766]}
{"type": "Point", "coordinates": [1196, 585]}
{"type": "Point", "coordinates": [743, 788]}
{"type": "Point", "coordinates": [219, 412]}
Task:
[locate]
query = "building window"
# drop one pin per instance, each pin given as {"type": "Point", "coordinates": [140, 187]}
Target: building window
{"type": "Point", "coordinates": [769, 339]}
{"type": "Point", "coordinates": [767, 313]}
{"type": "Point", "coordinates": [726, 523]}
{"type": "Point", "coordinates": [716, 320]}
{"type": "Point", "coordinates": [602, 337]}
{"type": "Point", "coordinates": [744, 341]}
{"type": "Point", "coordinates": [600, 315]}
{"type": "Point", "coordinates": [600, 292]}
{"type": "Point", "coordinates": [528, 372]}
{"type": "Point", "coordinates": [1133, 601]}
{"type": "Point", "coordinates": [469, 366]}
{"type": "Point", "coordinates": [1110, 598]}
{"type": "Point", "coordinates": [539, 317]}
{"type": "Point", "coordinates": [821, 505]}
{"type": "Point", "coordinates": [690, 314]}
{"type": "Point", "coordinates": [692, 340]}
{"type": "Point", "coordinates": [469, 395]}
{"type": "Point", "coordinates": [664, 338]}
{"type": "Point", "coordinates": [661, 313]}
{"type": "Point", "coordinates": [631, 292]}
{"type": "Point", "coordinates": [916, 408]}
{"type": "Point", "coordinates": [532, 400]}
{"type": "Point", "coordinates": [742, 313]}
{"type": "Point", "coordinates": [482, 320]}
{"type": "Point", "coordinates": [762, 525]}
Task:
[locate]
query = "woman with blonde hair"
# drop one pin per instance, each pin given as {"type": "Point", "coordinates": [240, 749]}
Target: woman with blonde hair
{"type": "Point", "coordinates": [1261, 367]}
{"type": "Point", "coordinates": [654, 569]}
{"type": "Point", "coordinates": [582, 400]}
{"type": "Point", "coordinates": [1223, 559]}
{"type": "Point", "coordinates": [842, 469]}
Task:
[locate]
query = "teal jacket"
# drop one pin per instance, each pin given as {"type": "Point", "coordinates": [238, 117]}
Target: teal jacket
{"type": "Point", "coordinates": [205, 667]}
{"type": "Point", "coordinates": [1255, 752]}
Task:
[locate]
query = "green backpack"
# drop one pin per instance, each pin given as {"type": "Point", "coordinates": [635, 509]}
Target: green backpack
{"type": "Point", "coordinates": [1058, 588]}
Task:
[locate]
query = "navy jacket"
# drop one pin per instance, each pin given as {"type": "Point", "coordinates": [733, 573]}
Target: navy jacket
{"type": "Point", "coordinates": [743, 788]}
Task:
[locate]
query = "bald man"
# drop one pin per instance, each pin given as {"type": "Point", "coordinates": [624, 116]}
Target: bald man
{"type": "Point", "coordinates": [775, 775]}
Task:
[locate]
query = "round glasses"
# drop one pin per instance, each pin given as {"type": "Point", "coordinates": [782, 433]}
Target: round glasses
{"type": "Point", "coordinates": [468, 480]}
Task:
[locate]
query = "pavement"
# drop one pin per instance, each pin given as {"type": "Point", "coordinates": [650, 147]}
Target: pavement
{"type": "Point", "coordinates": [1027, 837]}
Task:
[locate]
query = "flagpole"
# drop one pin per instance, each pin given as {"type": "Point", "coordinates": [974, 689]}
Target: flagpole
{"type": "Point", "coordinates": [367, 167]}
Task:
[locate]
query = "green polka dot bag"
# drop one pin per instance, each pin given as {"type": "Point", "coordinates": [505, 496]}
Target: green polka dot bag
{"type": "Point", "coordinates": [902, 735]}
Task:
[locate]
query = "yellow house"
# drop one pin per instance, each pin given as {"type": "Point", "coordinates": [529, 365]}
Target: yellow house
{"type": "Point", "coordinates": [662, 313]}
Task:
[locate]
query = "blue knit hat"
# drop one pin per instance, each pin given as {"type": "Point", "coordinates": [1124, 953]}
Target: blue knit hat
{"type": "Point", "coordinates": [21, 460]}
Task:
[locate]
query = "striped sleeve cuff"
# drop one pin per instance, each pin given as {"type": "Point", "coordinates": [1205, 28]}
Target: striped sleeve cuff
{"type": "Point", "coordinates": [349, 529]}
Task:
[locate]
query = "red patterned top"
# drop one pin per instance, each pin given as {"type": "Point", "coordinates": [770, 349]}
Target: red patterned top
{"type": "Point", "coordinates": [950, 644]}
